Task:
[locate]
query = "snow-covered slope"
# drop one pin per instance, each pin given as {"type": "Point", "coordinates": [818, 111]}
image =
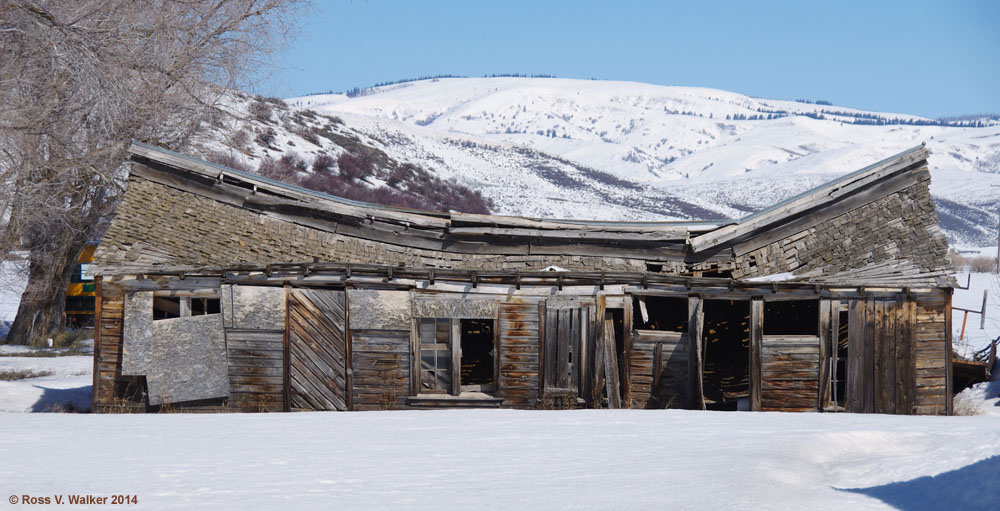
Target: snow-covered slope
{"type": "Point", "coordinates": [622, 150]}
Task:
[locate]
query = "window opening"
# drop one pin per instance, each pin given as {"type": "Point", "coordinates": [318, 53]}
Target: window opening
{"type": "Point", "coordinates": [168, 307]}
{"type": "Point", "coordinates": [659, 313]}
{"type": "Point", "coordinates": [794, 317]}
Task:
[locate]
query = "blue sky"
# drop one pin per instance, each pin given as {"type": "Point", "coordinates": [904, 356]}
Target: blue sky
{"type": "Point", "coordinates": [924, 58]}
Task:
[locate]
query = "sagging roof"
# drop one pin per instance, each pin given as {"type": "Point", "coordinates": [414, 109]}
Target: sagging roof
{"type": "Point", "coordinates": [701, 235]}
{"type": "Point", "coordinates": [875, 207]}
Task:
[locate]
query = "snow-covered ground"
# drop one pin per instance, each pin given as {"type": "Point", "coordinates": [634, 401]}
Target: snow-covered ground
{"type": "Point", "coordinates": [505, 459]}
{"type": "Point", "coordinates": [66, 382]}
{"type": "Point", "coordinates": [972, 299]}
{"type": "Point", "coordinates": [13, 278]}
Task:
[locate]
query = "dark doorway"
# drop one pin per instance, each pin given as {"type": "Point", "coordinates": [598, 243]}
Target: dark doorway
{"type": "Point", "coordinates": [726, 355]}
{"type": "Point", "coordinates": [618, 319]}
{"type": "Point", "coordinates": [477, 355]}
{"type": "Point", "coordinates": [840, 362]}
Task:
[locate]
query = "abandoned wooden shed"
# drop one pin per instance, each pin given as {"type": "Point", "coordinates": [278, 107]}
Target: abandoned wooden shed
{"type": "Point", "coordinates": [223, 290]}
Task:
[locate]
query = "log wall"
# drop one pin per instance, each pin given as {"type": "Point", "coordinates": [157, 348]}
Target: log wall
{"type": "Point", "coordinates": [932, 355]}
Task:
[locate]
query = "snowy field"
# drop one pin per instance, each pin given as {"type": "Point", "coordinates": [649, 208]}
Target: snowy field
{"type": "Point", "coordinates": [65, 382]}
{"type": "Point", "coordinates": [504, 459]}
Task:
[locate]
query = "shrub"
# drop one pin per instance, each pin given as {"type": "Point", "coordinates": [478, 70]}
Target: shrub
{"type": "Point", "coordinates": [274, 169]}
{"type": "Point", "coordinates": [356, 166]}
{"type": "Point", "coordinates": [259, 111]}
{"type": "Point", "coordinates": [323, 163]}
{"type": "Point", "coordinates": [267, 137]}
{"type": "Point", "coordinates": [227, 160]}
{"type": "Point", "coordinates": [293, 163]}
{"type": "Point", "coordinates": [239, 138]}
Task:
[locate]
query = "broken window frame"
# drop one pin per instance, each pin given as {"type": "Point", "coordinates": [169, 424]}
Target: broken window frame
{"type": "Point", "coordinates": [447, 348]}
{"type": "Point", "coordinates": [210, 300]}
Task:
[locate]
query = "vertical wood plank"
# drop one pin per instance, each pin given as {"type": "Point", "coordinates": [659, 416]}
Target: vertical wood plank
{"type": "Point", "coordinates": [543, 328]}
{"type": "Point", "coordinates": [696, 319]}
{"type": "Point", "coordinates": [286, 373]}
{"type": "Point", "coordinates": [611, 366]}
{"type": "Point", "coordinates": [879, 357]}
{"type": "Point", "coordinates": [597, 385]}
{"type": "Point", "coordinates": [349, 356]}
{"type": "Point", "coordinates": [832, 397]}
{"type": "Point", "coordinates": [891, 335]}
{"type": "Point", "coordinates": [824, 353]}
{"type": "Point", "coordinates": [575, 345]}
{"type": "Point", "coordinates": [756, 358]}
{"type": "Point", "coordinates": [949, 410]}
{"type": "Point", "coordinates": [856, 327]}
{"type": "Point", "coordinates": [96, 388]}
{"type": "Point", "coordinates": [627, 333]}
{"type": "Point", "coordinates": [906, 388]}
{"type": "Point", "coordinates": [497, 354]}
{"type": "Point", "coordinates": [871, 325]}
{"type": "Point", "coordinates": [563, 340]}
{"type": "Point", "coordinates": [456, 356]}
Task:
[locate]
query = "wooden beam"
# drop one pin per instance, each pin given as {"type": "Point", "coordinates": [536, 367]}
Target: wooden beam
{"type": "Point", "coordinates": [756, 356]}
{"type": "Point", "coordinates": [825, 311]}
{"type": "Point", "coordinates": [696, 320]}
{"type": "Point", "coordinates": [611, 366]}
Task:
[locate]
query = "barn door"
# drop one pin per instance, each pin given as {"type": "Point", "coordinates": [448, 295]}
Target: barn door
{"type": "Point", "coordinates": [317, 350]}
{"type": "Point", "coordinates": [565, 328]}
{"type": "Point", "coordinates": [880, 365]}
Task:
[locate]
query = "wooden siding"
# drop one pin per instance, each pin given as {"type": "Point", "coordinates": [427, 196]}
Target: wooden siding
{"type": "Point", "coordinates": [317, 350]}
{"type": "Point", "coordinates": [930, 355]}
{"type": "Point", "coordinates": [789, 373]}
{"type": "Point", "coordinates": [880, 358]}
{"type": "Point", "coordinates": [256, 366]}
{"type": "Point", "coordinates": [564, 341]}
{"type": "Point", "coordinates": [658, 369]}
{"type": "Point", "coordinates": [108, 353]}
{"type": "Point", "coordinates": [380, 365]}
{"type": "Point", "coordinates": [520, 326]}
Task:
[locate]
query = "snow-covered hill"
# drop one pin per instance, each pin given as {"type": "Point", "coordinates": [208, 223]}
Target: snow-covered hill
{"type": "Point", "coordinates": [622, 150]}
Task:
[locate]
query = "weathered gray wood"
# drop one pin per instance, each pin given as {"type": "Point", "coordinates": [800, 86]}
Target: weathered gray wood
{"type": "Point", "coordinates": [845, 204]}
{"type": "Point", "coordinates": [871, 327]}
{"type": "Point", "coordinates": [611, 366]}
{"type": "Point", "coordinates": [456, 357]}
{"type": "Point", "coordinates": [189, 360]}
{"type": "Point", "coordinates": [137, 333]}
{"type": "Point", "coordinates": [379, 310]}
{"type": "Point", "coordinates": [826, 310]}
{"type": "Point", "coordinates": [696, 318]}
{"type": "Point", "coordinates": [317, 349]}
{"type": "Point", "coordinates": [253, 307]}
{"type": "Point", "coordinates": [855, 387]}
{"type": "Point", "coordinates": [815, 198]}
{"type": "Point", "coordinates": [443, 306]}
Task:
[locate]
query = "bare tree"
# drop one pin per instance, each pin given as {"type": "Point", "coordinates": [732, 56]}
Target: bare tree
{"type": "Point", "coordinates": [78, 80]}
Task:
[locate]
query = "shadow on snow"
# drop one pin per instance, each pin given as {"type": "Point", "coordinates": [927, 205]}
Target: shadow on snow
{"type": "Point", "coordinates": [971, 487]}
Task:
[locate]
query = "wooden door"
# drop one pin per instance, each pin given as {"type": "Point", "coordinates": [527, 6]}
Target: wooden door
{"type": "Point", "coordinates": [317, 350]}
{"type": "Point", "coordinates": [880, 356]}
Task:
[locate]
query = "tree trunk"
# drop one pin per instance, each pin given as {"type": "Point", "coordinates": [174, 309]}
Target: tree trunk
{"type": "Point", "coordinates": [42, 312]}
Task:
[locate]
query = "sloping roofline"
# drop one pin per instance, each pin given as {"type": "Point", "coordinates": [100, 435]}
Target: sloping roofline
{"type": "Point", "coordinates": [700, 234]}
